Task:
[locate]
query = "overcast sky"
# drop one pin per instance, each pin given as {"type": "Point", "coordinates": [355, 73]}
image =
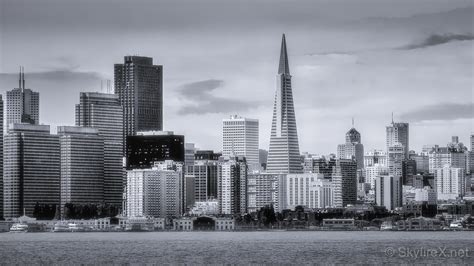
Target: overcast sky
{"type": "Point", "coordinates": [352, 58]}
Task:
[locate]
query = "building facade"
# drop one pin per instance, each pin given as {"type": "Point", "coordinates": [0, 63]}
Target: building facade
{"type": "Point", "coordinates": [266, 189]}
{"type": "Point", "coordinates": [22, 104]}
{"type": "Point", "coordinates": [375, 157]}
{"type": "Point", "coordinates": [104, 112]}
{"type": "Point", "coordinates": [82, 165]}
{"type": "Point", "coordinates": [284, 152]}
{"type": "Point", "coordinates": [139, 85]}
{"type": "Point", "coordinates": [352, 148]}
{"type": "Point", "coordinates": [398, 133]}
{"type": "Point", "coordinates": [388, 191]}
{"type": "Point", "coordinates": [450, 182]}
{"type": "Point", "coordinates": [395, 157]}
{"type": "Point", "coordinates": [308, 190]}
{"type": "Point", "coordinates": [201, 182]}
{"type": "Point", "coordinates": [146, 148]}
{"type": "Point", "coordinates": [232, 185]}
{"type": "Point", "coordinates": [344, 181]}
{"type": "Point", "coordinates": [1, 156]}
{"type": "Point", "coordinates": [31, 169]}
{"type": "Point", "coordinates": [155, 192]}
{"type": "Point", "coordinates": [240, 138]}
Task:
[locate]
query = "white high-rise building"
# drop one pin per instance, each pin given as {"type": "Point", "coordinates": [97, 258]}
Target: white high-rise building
{"type": "Point", "coordinates": [398, 133]}
{"type": "Point", "coordinates": [372, 172]}
{"type": "Point", "coordinates": [266, 189]}
{"type": "Point", "coordinates": [232, 185]}
{"type": "Point", "coordinates": [240, 138]}
{"type": "Point", "coordinates": [388, 191]}
{"type": "Point", "coordinates": [450, 182]}
{"type": "Point", "coordinates": [308, 190]}
{"type": "Point", "coordinates": [155, 192]}
{"type": "Point", "coordinates": [352, 148]}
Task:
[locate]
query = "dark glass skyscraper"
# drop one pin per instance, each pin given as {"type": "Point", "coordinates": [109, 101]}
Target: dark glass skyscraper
{"type": "Point", "coordinates": [139, 85]}
{"type": "Point", "coordinates": [284, 152]}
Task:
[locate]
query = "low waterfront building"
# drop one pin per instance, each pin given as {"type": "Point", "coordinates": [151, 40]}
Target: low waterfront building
{"type": "Point", "coordinates": [183, 224]}
{"type": "Point", "coordinates": [224, 224]}
{"type": "Point", "coordinates": [339, 224]}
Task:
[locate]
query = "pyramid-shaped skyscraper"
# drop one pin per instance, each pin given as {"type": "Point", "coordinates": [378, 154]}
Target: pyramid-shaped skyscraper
{"type": "Point", "coordinates": [284, 152]}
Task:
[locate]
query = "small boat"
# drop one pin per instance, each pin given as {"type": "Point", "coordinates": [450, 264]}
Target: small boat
{"type": "Point", "coordinates": [61, 227]}
{"type": "Point", "coordinates": [73, 227]}
{"type": "Point", "coordinates": [19, 228]}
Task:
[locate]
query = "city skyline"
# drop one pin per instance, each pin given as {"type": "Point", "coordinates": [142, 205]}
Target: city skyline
{"type": "Point", "coordinates": [331, 80]}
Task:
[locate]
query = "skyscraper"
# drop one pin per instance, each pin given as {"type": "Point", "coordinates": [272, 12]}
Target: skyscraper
{"type": "Point", "coordinates": [395, 155]}
{"type": "Point", "coordinates": [353, 148]}
{"type": "Point", "coordinates": [240, 138]}
{"type": "Point", "coordinates": [1, 157]}
{"type": "Point", "coordinates": [388, 191]}
{"type": "Point", "coordinates": [31, 169]}
{"type": "Point", "coordinates": [139, 85]}
{"type": "Point", "coordinates": [232, 185]}
{"type": "Point", "coordinates": [264, 189]}
{"type": "Point", "coordinates": [284, 152]}
{"type": "Point", "coordinates": [82, 165]}
{"type": "Point", "coordinates": [344, 180]}
{"type": "Point", "coordinates": [104, 112]}
{"type": "Point", "coordinates": [398, 133]}
{"type": "Point", "coordinates": [22, 104]}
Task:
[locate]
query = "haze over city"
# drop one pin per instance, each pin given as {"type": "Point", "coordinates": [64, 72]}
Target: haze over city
{"type": "Point", "coordinates": [220, 58]}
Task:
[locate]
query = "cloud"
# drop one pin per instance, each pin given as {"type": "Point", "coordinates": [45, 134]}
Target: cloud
{"type": "Point", "coordinates": [203, 100]}
{"type": "Point", "coordinates": [442, 111]}
{"type": "Point", "coordinates": [438, 39]}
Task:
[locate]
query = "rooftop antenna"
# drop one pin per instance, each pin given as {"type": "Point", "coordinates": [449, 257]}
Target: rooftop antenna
{"type": "Point", "coordinates": [392, 117]}
{"type": "Point", "coordinates": [19, 79]}
{"type": "Point", "coordinates": [352, 121]}
{"type": "Point", "coordinates": [24, 78]}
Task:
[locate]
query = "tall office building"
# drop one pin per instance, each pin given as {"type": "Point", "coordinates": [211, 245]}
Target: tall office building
{"type": "Point", "coordinates": [398, 133]}
{"type": "Point", "coordinates": [201, 182]}
{"type": "Point", "coordinates": [1, 157]}
{"type": "Point", "coordinates": [240, 138]}
{"type": "Point", "coordinates": [189, 151]}
{"type": "Point", "coordinates": [22, 104]}
{"type": "Point", "coordinates": [31, 169]}
{"type": "Point", "coordinates": [82, 165]}
{"type": "Point", "coordinates": [450, 182]}
{"type": "Point", "coordinates": [284, 152]}
{"type": "Point", "coordinates": [308, 190]}
{"type": "Point", "coordinates": [319, 165]}
{"type": "Point", "coordinates": [232, 185]}
{"type": "Point", "coordinates": [395, 157]}
{"type": "Point", "coordinates": [353, 148]}
{"type": "Point", "coordinates": [471, 155]}
{"type": "Point", "coordinates": [139, 85]}
{"type": "Point", "coordinates": [156, 191]}
{"type": "Point", "coordinates": [388, 191]}
{"type": "Point", "coordinates": [146, 148]}
{"type": "Point", "coordinates": [266, 189]}
{"type": "Point", "coordinates": [344, 181]}
{"type": "Point", "coordinates": [408, 171]}
{"type": "Point", "coordinates": [422, 162]}
{"type": "Point", "coordinates": [104, 112]}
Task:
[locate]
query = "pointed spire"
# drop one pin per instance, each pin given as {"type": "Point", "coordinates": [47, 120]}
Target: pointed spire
{"type": "Point", "coordinates": [392, 118]}
{"type": "Point", "coordinates": [352, 121]}
{"type": "Point", "coordinates": [283, 68]}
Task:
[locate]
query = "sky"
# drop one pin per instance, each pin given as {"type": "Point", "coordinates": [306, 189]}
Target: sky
{"type": "Point", "coordinates": [354, 58]}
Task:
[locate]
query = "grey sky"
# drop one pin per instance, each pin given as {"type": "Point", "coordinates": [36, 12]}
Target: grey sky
{"type": "Point", "coordinates": [361, 58]}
